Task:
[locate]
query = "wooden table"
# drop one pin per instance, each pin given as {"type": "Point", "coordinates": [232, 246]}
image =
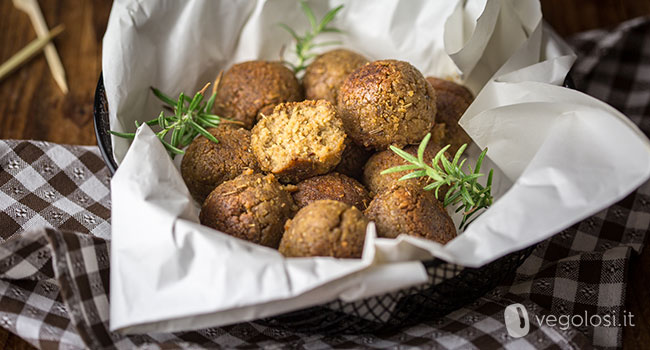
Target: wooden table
{"type": "Point", "coordinates": [32, 106]}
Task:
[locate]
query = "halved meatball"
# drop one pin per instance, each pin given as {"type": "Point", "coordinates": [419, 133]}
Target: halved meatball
{"type": "Point", "coordinates": [387, 103]}
{"type": "Point", "coordinates": [299, 140]}
{"type": "Point", "coordinates": [452, 101]}
{"type": "Point", "coordinates": [325, 228]}
{"type": "Point", "coordinates": [251, 88]}
{"type": "Point", "coordinates": [207, 164]}
{"type": "Point", "coordinates": [333, 186]}
{"type": "Point", "coordinates": [324, 76]}
{"type": "Point", "coordinates": [404, 210]}
{"type": "Point", "coordinates": [252, 206]}
{"type": "Point", "coordinates": [380, 161]}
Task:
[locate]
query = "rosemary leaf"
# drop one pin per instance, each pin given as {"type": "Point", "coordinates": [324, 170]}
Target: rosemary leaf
{"type": "Point", "coordinates": [191, 117]}
{"type": "Point", "coordinates": [431, 186]}
{"type": "Point", "coordinates": [459, 153]}
{"type": "Point", "coordinates": [466, 197]}
{"type": "Point", "coordinates": [489, 181]}
{"type": "Point", "coordinates": [465, 193]}
{"type": "Point", "coordinates": [168, 100]}
{"type": "Point", "coordinates": [434, 175]}
{"type": "Point", "coordinates": [304, 43]}
{"type": "Point", "coordinates": [472, 177]}
{"type": "Point", "coordinates": [180, 104]}
{"type": "Point", "coordinates": [422, 147]}
{"type": "Point", "coordinates": [400, 168]}
{"type": "Point", "coordinates": [213, 117]}
{"type": "Point", "coordinates": [210, 103]}
{"type": "Point", "coordinates": [126, 135]}
{"type": "Point", "coordinates": [404, 155]}
{"type": "Point", "coordinates": [161, 120]}
{"type": "Point", "coordinates": [413, 175]}
{"type": "Point", "coordinates": [171, 148]}
{"type": "Point", "coordinates": [331, 30]}
{"type": "Point", "coordinates": [328, 18]}
{"type": "Point", "coordinates": [479, 162]}
{"type": "Point", "coordinates": [196, 100]}
{"type": "Point", "coordinates": [291, 31]}
{"type": "Point", "coordinates": [203, 132]}
{"type": "Point", "coordinates": [310, 15]}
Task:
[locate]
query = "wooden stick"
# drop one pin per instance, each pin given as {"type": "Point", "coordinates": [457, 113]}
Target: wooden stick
{"type": "Point", "coordinates": [38, 22]}
{"type": "Point", "coordinates": [28, 52]}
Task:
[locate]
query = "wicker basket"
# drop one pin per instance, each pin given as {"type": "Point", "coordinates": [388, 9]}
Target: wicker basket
{"type": "Point", "coordinates": [450, 286]}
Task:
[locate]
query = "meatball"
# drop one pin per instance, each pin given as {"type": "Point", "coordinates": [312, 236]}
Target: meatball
{"type": "Point", "coordinates": [404, 210]}
{"type": "Point", "coordinates": [387, 103]}
{"type": "Point", "coordinates": [380, 161]}
{"type": "Point", "coordinates": [252, 206]}
{"type": "Point", "coordinates": [299, 140]}
{"type": "Point", "coordinates": [207, 164]}
{"type": "Point", "coordinates": [252, 88]}
{"type": "Point", "coordinates": [332, 186]}
{"type": "Point", "coordinates": [326, 73]}
{"type": "Point", "coordinates": [325, 228]}
{"type": "Point", "coordinates": [452, 101]}
{"type": "Point", "coordinates": [352, 160]}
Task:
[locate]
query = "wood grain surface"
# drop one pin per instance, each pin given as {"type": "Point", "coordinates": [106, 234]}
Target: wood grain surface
{"type": "Point", "coordinates": [33, 107]}
{"type": "Point", "coordinates": [31, 104]}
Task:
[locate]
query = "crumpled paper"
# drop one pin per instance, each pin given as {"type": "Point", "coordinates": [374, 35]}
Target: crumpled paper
{"type": "Point", "coordinates": [558, 155]}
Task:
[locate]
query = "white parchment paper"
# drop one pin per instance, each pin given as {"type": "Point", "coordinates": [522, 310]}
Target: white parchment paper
{"type": "Point", "coordinates": [559, 155]}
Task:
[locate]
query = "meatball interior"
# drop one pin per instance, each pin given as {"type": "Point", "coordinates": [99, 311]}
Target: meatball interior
{"type": "Point", "coordinates": [299, 140]}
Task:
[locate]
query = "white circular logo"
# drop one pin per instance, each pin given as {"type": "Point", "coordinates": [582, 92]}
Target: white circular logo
{"type": "Point", "coordinates": [517, 322]}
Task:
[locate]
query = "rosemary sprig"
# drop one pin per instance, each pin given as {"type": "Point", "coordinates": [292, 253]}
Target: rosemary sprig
{"type": "Point", "coordinates": [304, 43]}
{"type": "Point", "coordinates": [191, 117]}
{"type": "Point", "coordinates": [464, 191]}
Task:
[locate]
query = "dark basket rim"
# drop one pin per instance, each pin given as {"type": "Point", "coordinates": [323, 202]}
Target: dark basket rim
{"type": "Point", "coordinates": [100, 110]}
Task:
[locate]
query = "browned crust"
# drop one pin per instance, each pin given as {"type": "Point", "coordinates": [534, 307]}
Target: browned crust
{"type": "Point", "coordinates": [324, 76]}
{"type": "Point", "coordinates": [450, 87]}
{"type": "Point", "coordinates": [353, 160]}
{"type": "Point", "coordinates": [333, 186]}
{"type": "Point", "coordinates": [404, 210]}
{"type": "Point", "coordinates": [253, 207]}
{"type": "Point", "coordinates": [250, 88]}
{"type": "Point", "coordinates": [387, 103]}
{"type": "Point", "coordinates": [207, 164]}
{"type": "Point", "coordinates": [325, 228]}
{"type": "Point", "coordinates": [453, 100]}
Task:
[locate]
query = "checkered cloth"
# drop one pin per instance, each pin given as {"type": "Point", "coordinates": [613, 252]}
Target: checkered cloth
{"type": "Point", "coordinates": [54, 281]}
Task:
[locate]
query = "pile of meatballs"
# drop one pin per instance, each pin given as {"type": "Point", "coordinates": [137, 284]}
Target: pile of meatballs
{"type": "Point", "coordinates": [300, 172]}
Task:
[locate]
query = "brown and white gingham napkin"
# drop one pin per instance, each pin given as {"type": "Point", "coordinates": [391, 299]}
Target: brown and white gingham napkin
{"type": "Point", "coordinates": [54, 281]}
